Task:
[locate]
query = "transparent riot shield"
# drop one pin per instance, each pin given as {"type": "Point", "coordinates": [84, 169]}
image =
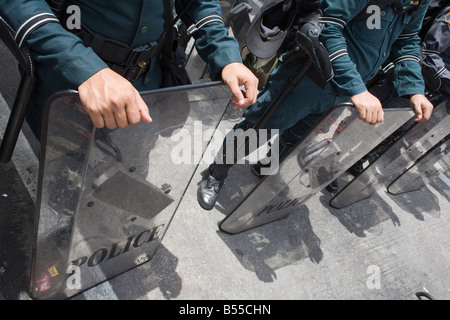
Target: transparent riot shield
{"type": "Point", "coordinates": [337, 142]}
{"type": "Point", "coordinates": [428, 168]}
{"type": "Point", "coordinates": [400, 156]}
{"type": "Point", "coordinates": [107, 197]}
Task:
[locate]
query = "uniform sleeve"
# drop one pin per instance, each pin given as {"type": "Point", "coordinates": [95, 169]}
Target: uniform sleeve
{"type": "Point", "coordinates": [61, 60]}
{"type": "Point", "coordinates": [436, 43]}
{"type": "Point", "coordinates": [336, 15]}
{"type": "Point", "coordinates": [405, 53]}
{"type": "Point", "coordinates": [213, 43]}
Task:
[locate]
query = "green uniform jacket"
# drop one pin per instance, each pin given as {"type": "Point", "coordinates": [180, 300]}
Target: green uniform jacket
{"type": "Point", "coordinates": [358, 50]}
{"type": "Point", "coordinates": [436, 53]}
{"type": "Point", "coordinates": [62, 61]}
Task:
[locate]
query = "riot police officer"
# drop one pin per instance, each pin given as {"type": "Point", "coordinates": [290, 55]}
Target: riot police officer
{"type": "Point", "coordinates": [120, 30]}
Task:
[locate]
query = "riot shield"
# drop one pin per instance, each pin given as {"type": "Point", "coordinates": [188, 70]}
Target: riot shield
{"type": "Point", "coordinates": [337, 142]}
{"type": "Point", "coordinates": [400, 156]}
{"type": "Point", "coordinates": [435, 163]}
{"type": "Point", "coordinates": [107, 197]}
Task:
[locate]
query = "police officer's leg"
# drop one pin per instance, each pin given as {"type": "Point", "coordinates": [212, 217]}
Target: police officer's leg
{"type": "Point", "coordinates": [214, 177]}
{"type": "Point", "coordinates": [305, 98]}
{"type": "Point", "coordinates": [307, 103]}
{"type": "Point", "coordinates": [286, 140]}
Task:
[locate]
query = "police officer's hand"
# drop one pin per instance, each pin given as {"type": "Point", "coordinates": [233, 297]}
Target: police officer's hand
{"type": "Point", "coordinates": [236, 75]}
{"type": "Point", "coordinates": [422, 107]}
{"type": "Point", "coordinates": [112, 101]}
{"type": "Point", "coordinates": [369, 107]}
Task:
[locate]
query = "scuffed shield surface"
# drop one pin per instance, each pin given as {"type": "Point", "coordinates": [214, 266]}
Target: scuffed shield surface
{"type": "Point", "coordinates": [107, 197]}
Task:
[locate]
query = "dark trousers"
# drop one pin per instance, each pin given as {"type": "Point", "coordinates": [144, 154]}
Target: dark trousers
{"type": "Point", "coordinates": [287, 138]}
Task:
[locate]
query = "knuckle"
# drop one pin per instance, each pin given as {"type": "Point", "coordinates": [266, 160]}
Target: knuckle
{"type": "Point", "coordinates": [134, 121]}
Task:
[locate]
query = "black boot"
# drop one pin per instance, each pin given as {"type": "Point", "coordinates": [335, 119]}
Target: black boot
{"type": "Point", "coordinates": [333, 187]}
{"type": "Point", "coordinates": [209, 188]}
{"type": "Point", "coordinates": [357, 168]}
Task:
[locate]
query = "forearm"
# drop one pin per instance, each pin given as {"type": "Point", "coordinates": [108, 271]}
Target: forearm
{"type": "Point", "coordinates": [213, 43]}
{"type": "Point", "coordinates": [336, 14]}
{"type": "Point", "coordinates": [405, 53]}
{"type": "Point", "coordinates": [60, 57]}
